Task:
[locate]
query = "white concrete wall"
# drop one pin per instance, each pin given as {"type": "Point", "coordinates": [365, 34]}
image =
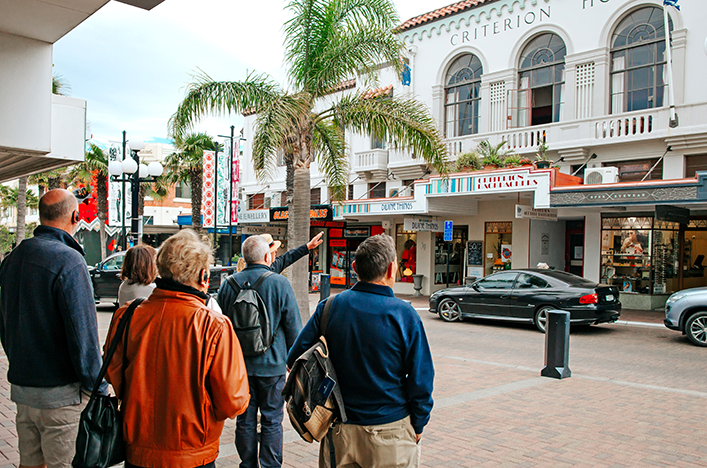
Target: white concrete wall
{"type": "Point", "coordinates": [556, 253]}
{"type": "Point", "coordinates": [25, 94]}
{"type": "Point", "coordinates": [68, 128]}
{"type": "Point", "coordinates": [592, 246]}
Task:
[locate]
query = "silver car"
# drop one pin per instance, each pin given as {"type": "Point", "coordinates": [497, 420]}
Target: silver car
{"type": "Point", "coordinates": [686, 311]}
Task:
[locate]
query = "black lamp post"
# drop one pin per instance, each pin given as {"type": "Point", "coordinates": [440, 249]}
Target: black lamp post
{"type": "Point", "coordinates": [135, 173]}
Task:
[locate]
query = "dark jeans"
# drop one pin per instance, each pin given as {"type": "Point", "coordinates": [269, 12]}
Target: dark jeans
{"type": "Point", "coordinates": [266, 395]}
{"type": "Point", "coordinates": [208, 465]}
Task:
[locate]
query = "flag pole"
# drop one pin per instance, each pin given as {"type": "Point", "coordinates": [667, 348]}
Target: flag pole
{"type": "Point", "coordinates": [669, 58]}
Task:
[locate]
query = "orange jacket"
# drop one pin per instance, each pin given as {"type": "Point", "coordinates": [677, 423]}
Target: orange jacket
{"type": "Point", "coordinates": [184, 376]}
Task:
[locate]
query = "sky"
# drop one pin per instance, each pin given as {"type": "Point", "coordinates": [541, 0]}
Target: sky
{"type": "Point", "coordinates": [132, 66]}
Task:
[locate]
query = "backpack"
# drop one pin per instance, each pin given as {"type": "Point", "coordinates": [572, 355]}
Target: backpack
{"type": "Point", "coordinates": [312, 396]}
{"type": "Point", "coordinates": [250, 317]}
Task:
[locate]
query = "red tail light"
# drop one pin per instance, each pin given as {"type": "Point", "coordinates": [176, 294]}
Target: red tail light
{"type": "Point", "coordinates": [589, 299]}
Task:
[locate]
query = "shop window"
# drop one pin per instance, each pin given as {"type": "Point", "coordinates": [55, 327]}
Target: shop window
{"type": "Point", "coordinates": [498, 246]}
{"type": "Point", "coordinates": [463, 96]}
{"type": "Point", "coordinates": [639, 256]}
{"type": "Point", "coordinates": [635, 171]}
{"type": "Point", "coordinates": [452, 251]}
{"type": "Point", "coordinates": [376, 190]}
{"type": "Point", "coordinates": [316, 194]}
{"type": "Point", "coordinates": [638, 61]}
{"type": "Point", "coordinates": [256, 201]}
{"type": "Point", "coordinates": [406, 248]}
{"type": "Point", "coordinates": [695, 163]}
{"type": "Point", "coordinates": [541, 82]}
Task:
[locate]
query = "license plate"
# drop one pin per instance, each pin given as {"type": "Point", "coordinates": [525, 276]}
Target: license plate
{"type": "Point", "coordinates": [609, 298]}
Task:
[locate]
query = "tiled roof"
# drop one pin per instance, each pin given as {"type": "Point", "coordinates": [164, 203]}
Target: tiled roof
{"type": "Point", "coordinates": [374, 93]}
{"type": "Point", "coordinates": [449, 10]}
{"type": "Point", "coordinates": [343, 86]}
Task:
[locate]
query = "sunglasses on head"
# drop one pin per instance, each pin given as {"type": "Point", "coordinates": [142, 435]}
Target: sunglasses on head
{"type": "Point", "coordinates": [272, 243]}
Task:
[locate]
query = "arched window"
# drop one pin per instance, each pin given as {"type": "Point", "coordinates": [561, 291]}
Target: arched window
{"type": "Point", "coordinates": [462, 89]}
{"type": "Point", "coordinates": [542, 80]}
{"type": "Point", "coordinates": [638, 61]}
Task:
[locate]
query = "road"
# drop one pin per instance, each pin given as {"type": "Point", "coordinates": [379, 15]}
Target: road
{"type": "Point", "coordinates": [636, 398]}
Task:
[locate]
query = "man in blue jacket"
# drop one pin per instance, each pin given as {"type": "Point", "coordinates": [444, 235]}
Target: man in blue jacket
{"type": "Point", "coordinates": [49, 332]}
{"type": "Point", "coordinates": [266, 372]}
{"type": "Point", "coordinates": [379, 349]}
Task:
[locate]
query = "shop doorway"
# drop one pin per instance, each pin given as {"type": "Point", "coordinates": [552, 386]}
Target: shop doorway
{"type": "Point", "coordinates": [574, 247]}
{"type": "Point", "coordinates": [498, 244]}
{"type": "Point", "coordinates": [693, 255]}
{"type": "Point", "coordinates": [454, 253]}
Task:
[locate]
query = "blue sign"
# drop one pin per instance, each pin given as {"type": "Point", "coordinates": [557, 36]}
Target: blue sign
{"type": "Point", "coordinates": [448, 226]}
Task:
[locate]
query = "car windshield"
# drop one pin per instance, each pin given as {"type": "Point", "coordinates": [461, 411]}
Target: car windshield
{"type": "Point", "coordinates": [568, 278]}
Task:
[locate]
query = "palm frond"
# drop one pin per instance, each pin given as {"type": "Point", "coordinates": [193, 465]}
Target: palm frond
{"type": "Point", "coordinates": [405, 123]}
{"type": "Point", "coordinates": [208, 97]}
{"type": "Point", "coordinates": [329, 145]}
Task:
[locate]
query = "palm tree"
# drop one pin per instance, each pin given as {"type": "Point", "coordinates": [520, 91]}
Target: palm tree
{"type": "Point", "coordinates": [21, 198]}
{"type": "Point", "coordinates": [95, 164]}
{"type": "Point", "coordinates": [186, 165]}
{"type": "Point", "coordinates": [60, 86]}
{"type": "Point", "coordinates": [493, 155]}
{"type": "Point", "coordinates": [328, 42]}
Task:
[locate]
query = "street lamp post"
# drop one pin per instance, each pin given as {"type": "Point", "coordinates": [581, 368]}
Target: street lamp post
{"type": "Point", "coordinates": [135, 173]}
{"type": "Point", "coordinates": [124, 238]}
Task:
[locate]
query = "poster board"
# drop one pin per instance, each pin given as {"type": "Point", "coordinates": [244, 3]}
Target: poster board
{"type": "Point", "coordinates": [475, 253]}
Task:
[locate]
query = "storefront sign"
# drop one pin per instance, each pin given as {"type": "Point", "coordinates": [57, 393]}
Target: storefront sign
{"type": "Point", "coordinates": [253, 216]}
{"type": "Point", "coordinates": [318, 212]}
{"type": "Point", "coordinates": [673, 214]}
{"type": "Point", "coordinates": [423, 225]}
{"type": "Point", "coordinates": [512, 22]}
{"type": "Point", "coordinates": [506, 182]}
{"type": "Point", "coordinates": [272, 230]}
{"type": "Point", "coordinates": [328, 224]}
{"type": "Point", "coordinates": [528, 212]}
{"type": "Point", "coordinates": [475, 255]}
{"type": "Point", "coordinates": [357, 232]}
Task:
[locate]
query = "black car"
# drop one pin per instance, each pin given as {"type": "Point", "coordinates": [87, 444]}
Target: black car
{"type": "Point", "coordinates": [526, 296]}
{"type": "Point", "coordinates": [105, 277]}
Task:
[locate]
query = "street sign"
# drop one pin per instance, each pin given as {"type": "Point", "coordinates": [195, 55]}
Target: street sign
{"type": "Point", "coordinates": [448, 226]}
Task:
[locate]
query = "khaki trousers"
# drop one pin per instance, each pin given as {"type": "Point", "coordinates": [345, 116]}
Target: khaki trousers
{"type": "Point", "coordinates": [389, 445]}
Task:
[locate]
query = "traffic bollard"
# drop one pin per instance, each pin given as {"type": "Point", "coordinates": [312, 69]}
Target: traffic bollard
{"type": "Point", "coordinates": [324, 287]}
{"type": "Point", "coordinates": [557, 345]}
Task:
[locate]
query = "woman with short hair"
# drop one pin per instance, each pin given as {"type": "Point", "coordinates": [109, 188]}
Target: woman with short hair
{"type": "Point", "coordinates": [184, 372]}
{"type": "Point", "coordinates": [138, 273]}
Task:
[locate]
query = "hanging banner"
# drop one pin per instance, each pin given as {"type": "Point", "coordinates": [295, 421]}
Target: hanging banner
{"type": "Point", "coordinates": [235, 171]}
{"type": "Point", "coordinates": [115, 191]}
{"type": "Point", "coordinates": [224, 186]}
{"type": "Point", "coordinates": [208, 189]}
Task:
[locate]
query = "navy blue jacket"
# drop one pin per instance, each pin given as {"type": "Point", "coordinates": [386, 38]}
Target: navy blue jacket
{"type": "Point", "coordinates": [48, 318]}
{"type": "Point", "coordinates": [379, 350]}
{"type": "Point", "coordinates": [288, 258]}
{"type": "Point", "coordinates": [279, 298]}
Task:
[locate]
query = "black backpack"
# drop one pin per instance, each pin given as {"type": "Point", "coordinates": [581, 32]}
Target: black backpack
{"type": "Point", "coordinates": [250, 317]}
{"type": "Point", "coordinates": [312, 395]}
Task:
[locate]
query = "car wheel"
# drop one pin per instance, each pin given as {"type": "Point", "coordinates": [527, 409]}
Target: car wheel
{"type": "Point", "coordinates": [696, 329]}
{"type": "Point", "coordinates": [449, 311]}
{"type": "Point", "coordinates": [541, 317]}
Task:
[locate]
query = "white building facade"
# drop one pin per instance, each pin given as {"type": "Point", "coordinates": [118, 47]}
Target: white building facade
{"type": "Point", "coordinates": [590, 79]}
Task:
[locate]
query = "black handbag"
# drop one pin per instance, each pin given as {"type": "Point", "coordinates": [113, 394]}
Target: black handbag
{"type": "Point", "coordinates": [99, 442]}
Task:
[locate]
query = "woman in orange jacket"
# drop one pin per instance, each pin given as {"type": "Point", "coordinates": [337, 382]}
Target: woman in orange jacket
{"type": "Point", "coordinates": [184, 372]}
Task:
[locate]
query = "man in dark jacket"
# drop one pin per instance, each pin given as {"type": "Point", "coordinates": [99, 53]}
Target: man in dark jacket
{"type": "Point", "coordinates": [379, 349]}
{"type": "Point", "coordinates": [266, 372]}
{"type": "Point", "coordinates": [49, 332]}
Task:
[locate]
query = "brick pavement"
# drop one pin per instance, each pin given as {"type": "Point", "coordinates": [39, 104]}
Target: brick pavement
{"type": "Point", "coordinates": [493, 409]}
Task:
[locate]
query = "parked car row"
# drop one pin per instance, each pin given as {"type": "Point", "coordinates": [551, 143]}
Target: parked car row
{"type": "Point", "coordinates": [105, 277]}
{"type": "Point", "coordinates": [527, 295]}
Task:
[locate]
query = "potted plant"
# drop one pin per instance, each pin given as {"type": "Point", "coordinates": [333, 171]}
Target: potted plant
{"type": "Point", "coordinates": [542, 160]}
{"type": "Point", "coordinates": [468, 162]}
{"type": "Point", "coordinates": [525, 162]}
{"type": "Point", "coordinates": [512, 161]}
{"type": "Point", "coordinates": [493, 156]}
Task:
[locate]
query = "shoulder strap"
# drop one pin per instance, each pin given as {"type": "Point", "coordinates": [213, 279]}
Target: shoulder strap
{"type": "Point", "coordinates": [124, 321]}
{"type": "Point", "coordinates": [325, 316]}
{"type": "Point", "coordinates": [262, 278]}
{"type": "Point", "coordinates": [234, 284]}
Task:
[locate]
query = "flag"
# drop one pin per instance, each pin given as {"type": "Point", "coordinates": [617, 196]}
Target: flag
{"type": "Point", "coordinates": [673, 3]}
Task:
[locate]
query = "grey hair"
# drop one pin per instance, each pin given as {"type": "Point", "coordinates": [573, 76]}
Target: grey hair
{"type": "Point", "coordinates": [373, 257]}
{"type": "Point", "coordinates": [183, 256]}
{"type": "Point", "coordinates": [254, 249]}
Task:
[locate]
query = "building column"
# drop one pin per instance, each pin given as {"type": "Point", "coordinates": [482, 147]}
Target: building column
{"type": "Point", "coordinates": [592, 246]}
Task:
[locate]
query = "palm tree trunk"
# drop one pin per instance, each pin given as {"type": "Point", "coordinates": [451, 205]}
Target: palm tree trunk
{"type": "Point", "coordinates": [102, 195]}
{"type": "Point", "coordinates": [21, 209]}
{"type": "Point", "coordinates": [298, 227]}
{"type": "Point", "coordinates": [196, 186]}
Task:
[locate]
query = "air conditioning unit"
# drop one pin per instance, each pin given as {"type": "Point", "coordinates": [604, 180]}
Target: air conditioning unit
{"type": "Point", "coordinates": [601, 175]}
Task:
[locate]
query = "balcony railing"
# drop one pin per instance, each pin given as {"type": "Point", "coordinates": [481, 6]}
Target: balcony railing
{"type": "Point", "coordinates": [371, 164]}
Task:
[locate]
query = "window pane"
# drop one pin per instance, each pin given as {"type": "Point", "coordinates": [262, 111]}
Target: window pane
{"type": "Point", "coordinates": [526, 281]}
{"type": "Point", "coordinates": [498, 281]}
